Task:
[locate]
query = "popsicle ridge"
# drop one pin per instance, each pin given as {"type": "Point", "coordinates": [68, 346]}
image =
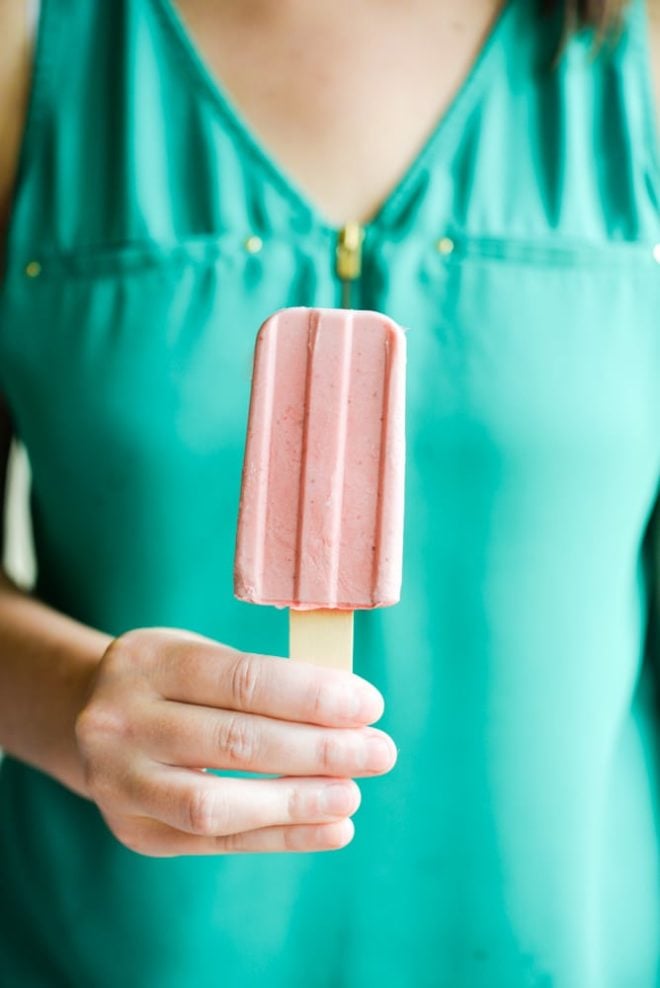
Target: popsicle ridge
{"type": "Point", "coordinates": [316, 483]}
{"type": "Point", "coordinates": [389, 515]}
{"type": "Point", "coordinates": [256, 471]}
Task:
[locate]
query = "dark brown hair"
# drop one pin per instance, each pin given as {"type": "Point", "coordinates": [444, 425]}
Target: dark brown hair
{"type": "Point", "coordinates": [603, 15]}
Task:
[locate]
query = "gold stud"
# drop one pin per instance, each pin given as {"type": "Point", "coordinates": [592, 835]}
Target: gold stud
{"type": "Point", "coordinates": [33, 269]}
{"type": "Point", "coordinates": [253, 244]}
{"type": "Point", "coordinates": [656, 253]}
{"type": "Point", "coordinates": [445, 246]}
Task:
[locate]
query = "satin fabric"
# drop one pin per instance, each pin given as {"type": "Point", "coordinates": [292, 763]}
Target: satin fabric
{"type": "Point", "coordinates": [515, 845]}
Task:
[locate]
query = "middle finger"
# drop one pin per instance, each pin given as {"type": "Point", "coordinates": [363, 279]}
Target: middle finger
{"type": "Point", "coordinates": [188, 736]}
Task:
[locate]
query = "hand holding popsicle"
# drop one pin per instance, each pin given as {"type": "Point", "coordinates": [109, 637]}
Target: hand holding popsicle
{"type": "Point", "coordinates": [320, 531]}
{"type": "Point", "coordinates": [163, 703]}
{"type": "Point", "coordinates": [321, 518]}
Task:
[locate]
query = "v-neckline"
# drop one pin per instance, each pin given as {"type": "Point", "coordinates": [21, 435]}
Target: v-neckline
{"type": "Point", "coordinates": [277, 172]}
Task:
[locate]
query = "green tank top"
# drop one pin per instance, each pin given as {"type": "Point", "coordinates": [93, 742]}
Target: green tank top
{"type": "Point", "coordinates": [515, 845]}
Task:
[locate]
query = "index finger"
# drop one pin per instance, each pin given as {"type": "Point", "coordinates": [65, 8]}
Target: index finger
{"type": "Point", "coordinates": [209, 674]}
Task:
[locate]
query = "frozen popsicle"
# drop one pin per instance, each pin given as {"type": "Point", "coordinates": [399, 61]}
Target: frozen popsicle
{"type": "Point", "coordinates": [321, 513]}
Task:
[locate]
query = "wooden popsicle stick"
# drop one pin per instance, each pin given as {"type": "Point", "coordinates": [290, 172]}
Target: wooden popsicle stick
{"type": "Point", "coordinates": [322, 637]}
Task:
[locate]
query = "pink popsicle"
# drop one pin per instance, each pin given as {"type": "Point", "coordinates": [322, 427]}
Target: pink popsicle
{"type": "Point", "coordinates": [321, 512]}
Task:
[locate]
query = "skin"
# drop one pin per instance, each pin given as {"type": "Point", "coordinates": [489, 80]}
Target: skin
{"type": "Point", "coordinates": [129, 722]}
{"type": "Point", "coordinates": [364, 65]}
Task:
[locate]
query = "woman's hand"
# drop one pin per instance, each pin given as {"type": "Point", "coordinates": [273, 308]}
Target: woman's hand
{"type": "Point", "coordinates": [164, 705]}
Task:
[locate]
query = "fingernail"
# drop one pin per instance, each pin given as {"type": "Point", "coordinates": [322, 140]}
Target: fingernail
{"type": "Point", "coordinates": [336, 800]}
{"type": "Point", "coordinates": [371, 706]}
{"type": "Point", "coordinates": [381, 753]}
{"type": "Point", "coordinates": [365, 705]}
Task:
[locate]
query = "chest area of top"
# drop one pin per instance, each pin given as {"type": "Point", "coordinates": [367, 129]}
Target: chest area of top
{"type": "Point", "coordinates": [342, 96]}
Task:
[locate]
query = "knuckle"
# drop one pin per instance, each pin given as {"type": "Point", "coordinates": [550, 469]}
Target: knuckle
{"type": "Point", "coordinates": [291, 838]}
{"type": "Point", "coordinates": [321, 837]}
{"type": "Point", "coordinates": [244, 681]}
{"type": "Point", "coordinates": [100, 722]}
{"type": "Point", "coordinates": [301, 804]}
{"type": "Point", "coordinates": [119, 652]}
{"type": "Point", "coordinates": [317, 701]}
{"type": "Point", "coordinates": [231, 843]}
{"type": "Point", "coordinates": [236, 740]}
{"type": "Point", "coordinates": [139, 649]}
{"type": "Point", "coordinates": [329, 753]}
{"type": "Point", "coordinates": [202, 812]}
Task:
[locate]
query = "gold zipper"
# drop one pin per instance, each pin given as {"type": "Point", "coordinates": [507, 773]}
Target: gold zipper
{"type": "Point", "coordinates": [349, 259]}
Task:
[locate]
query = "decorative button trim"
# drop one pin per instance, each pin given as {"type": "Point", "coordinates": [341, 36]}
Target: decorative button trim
{"type": "Point", "coordinates": [253, 244]}
{"type": "Point", "coordinates": [33, 269]}
{"type": "Point", "coordinates": [445, 246]}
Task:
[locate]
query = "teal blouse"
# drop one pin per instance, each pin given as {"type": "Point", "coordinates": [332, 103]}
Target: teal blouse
{"type": "Point", "coordinates": [515, 845]}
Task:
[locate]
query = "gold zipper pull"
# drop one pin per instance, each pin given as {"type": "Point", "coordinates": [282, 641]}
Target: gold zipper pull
{"type": "Point", "coordinates": [349, 258]}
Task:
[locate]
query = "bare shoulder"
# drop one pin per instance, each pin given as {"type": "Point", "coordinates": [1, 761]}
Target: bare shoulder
{"type": "Point", "coordinates": [16, 32]}
{"type": "Point", "coordinates": [16, 47]}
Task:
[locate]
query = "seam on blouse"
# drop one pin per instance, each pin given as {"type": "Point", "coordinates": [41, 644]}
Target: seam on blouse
{"type": "Point", "coordinates": [136, 256]}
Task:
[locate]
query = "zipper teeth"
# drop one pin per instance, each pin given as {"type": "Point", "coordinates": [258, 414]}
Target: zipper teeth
{"type": "Point", "coordinates": [349, 258]}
